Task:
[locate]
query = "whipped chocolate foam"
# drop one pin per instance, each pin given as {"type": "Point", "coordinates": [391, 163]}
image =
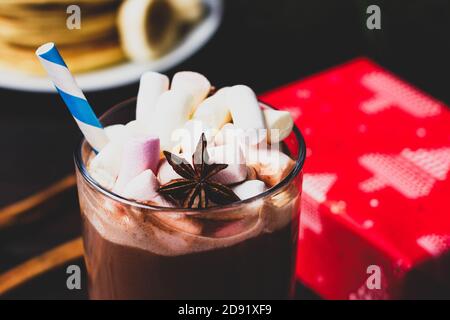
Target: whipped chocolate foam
{"type": "Point", "coordinates": [172, 233]}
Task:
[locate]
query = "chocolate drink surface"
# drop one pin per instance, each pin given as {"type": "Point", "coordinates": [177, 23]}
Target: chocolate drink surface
{"type": "Point", "coordinates": [261, 267]}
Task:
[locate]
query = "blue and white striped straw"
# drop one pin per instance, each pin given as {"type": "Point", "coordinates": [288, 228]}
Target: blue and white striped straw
{"type": "Point", "coordinates": [72, 95]}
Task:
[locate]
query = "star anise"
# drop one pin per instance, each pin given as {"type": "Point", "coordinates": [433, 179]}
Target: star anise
{"type": "Point", "coordinates": [196, 188]}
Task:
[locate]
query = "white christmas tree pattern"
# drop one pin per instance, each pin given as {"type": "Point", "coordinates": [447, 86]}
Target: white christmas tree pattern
{"type": "Point", "coordinates": [364, 293]}
{"type": "Point", "coordinates": [390, 92]}
{"type": "Point", "coordinates": [412, 173]}
{"type": "Point", "coordinates": [434, 244]}
{"type": "Point", "coordinates": [315, 189]}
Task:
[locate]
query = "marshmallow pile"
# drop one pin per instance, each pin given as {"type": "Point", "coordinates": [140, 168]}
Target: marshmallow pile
{"type": "Point", "coordinates": [171, 116]}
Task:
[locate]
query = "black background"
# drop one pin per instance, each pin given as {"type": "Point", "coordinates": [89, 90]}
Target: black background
{"type": "Point", "coordinates": [261, 43]}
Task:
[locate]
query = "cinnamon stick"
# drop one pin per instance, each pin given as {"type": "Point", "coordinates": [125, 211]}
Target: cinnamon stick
{"type": "Point", "coordinates": [51, 259]}
{"type": "Point", "coordinates": [32, 206]}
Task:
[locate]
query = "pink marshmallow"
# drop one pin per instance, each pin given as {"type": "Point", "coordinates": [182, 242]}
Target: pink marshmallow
{"type": "Point", "coordinates": [139, 154]}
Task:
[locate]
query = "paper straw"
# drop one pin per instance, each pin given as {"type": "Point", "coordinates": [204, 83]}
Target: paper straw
{"type": "Point", "coordinates": [72, 95]}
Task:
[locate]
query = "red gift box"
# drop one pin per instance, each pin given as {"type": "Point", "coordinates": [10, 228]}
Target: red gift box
{"type": "Point", "coordinates": [375, 223]}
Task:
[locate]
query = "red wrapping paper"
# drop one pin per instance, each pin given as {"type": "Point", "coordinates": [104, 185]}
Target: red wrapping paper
{"type": "Point", "coordinates": [376, 184]}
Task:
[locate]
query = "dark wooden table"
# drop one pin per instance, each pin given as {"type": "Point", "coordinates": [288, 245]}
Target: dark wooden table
{"type": "Point", "coordinates": [262, 43]}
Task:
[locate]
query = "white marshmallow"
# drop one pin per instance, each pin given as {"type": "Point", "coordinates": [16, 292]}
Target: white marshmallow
{"type": "Point", "coordinates": [190, 135]}
{"type": "Point", "coordinates": [193, 83]}
{"type": "Point", "coordinates": [166, 173]}
{"type": "Point", "coordinates": [139, 154]}
{"type": "Point", "coordinates": [151, 86]}
{"type": "Point", "coordinates": [122, 133]}
{"type": "Point", "coordinates": [214, 110]}
{"type": "Point", "coordinates": [228, 134]}
{"type": "Point", "coordinates": [136, 128]}
{"type": "Point", "coordinates": [232, 155]}
{"type": "Point", "coordinates": [117, 133]}
{"type": "Point", "coordinates": [172, 111]}
{"type": "Point", "coordinates": [279, 124]}
{"type": "Point", "coordinates": [244, 108]}
{"type": "Point", "coordinates": [271, 165]}
{"type": "Point", "coordinates": [144, 187]}
{"type": "Point", "coordinates": [105, 167]}
{"type": "Point", "coordinates": [249, 189]}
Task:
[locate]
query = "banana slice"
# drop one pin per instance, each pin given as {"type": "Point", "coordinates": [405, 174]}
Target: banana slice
{"type": "Point", "coordinates": [147, 28]}
{"type": "Point", "coordinates": [188, 10]}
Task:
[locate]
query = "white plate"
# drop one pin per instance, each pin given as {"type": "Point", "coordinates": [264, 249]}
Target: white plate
{"type": "Point", "coordinates": [127, 72]}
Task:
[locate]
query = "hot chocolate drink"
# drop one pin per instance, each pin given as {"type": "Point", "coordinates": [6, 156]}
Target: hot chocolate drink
{"type": "Point", "coordinates": [192, 199]}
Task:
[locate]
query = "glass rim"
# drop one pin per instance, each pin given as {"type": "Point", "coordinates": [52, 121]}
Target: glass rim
{"type": "Point", "coordinates": [299, 162]}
